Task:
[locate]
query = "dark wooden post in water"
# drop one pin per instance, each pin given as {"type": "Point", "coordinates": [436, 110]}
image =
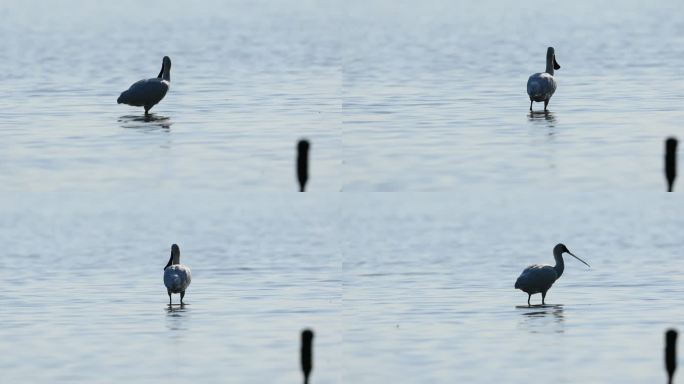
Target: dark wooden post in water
{"type": "Point", "coordinates": [670, 353]}
{"type": "Point", "coordinates": [670, 162]}
{"type": "Point", "coordinates": [307, 353]}
{"type": "Point", "coordinates": [302, 163]}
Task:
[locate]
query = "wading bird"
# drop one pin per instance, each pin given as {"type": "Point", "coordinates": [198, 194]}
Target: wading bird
{"type": "Point", "coordinates": [147, 93]}
{"type": "Point", "coordinates": [177, 276]}
{"type": "Point", "coordinates": [539, 278]}
{"type": "Point", "coordinates": [541, 86]}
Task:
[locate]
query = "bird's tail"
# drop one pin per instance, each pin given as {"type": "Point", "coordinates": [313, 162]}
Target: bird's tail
{"type": "Point", "coordinates": [517, 284]}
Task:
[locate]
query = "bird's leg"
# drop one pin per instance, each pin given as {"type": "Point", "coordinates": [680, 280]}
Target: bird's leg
{"type": "Point", "coordinates": [169, 292]}
{"type": "Point", "coordinates": [543, 297]}
{"type": "Point", "coordinates": [182, 294]}
{"type": "Point", "coordinates": [546, 102]}
{"type": "Point", "coordinates": [529, 295]}
{"type": "Point", "coordinates": [147, 110]}
{"type": "Point", "coordinates": [530, 105]}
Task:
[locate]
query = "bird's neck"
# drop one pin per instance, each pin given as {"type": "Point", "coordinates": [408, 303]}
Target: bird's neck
{"type": "Point", "coordinates": [549, 65]}
{"type": "Point", "coordinates": [560, 265]}
{"type": "Point", "coordinates": [166, 75]}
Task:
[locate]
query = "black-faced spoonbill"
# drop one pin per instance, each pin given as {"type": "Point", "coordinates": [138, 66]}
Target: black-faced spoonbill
{"type": "Point", "coordinates": [177, 276]}
{"type": "Point", "coordinates": [307, 353]}
{"type": "Point", "coordinates": [539, 278]}
{"type": "Point", "coordinates": [147, 93]}
{"type": "Point", "coordinates": [541, 86]}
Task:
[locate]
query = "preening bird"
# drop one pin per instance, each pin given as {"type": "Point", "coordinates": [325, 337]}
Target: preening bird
{"type": "Point", "coordinates": [177, 276]}
{"type": "Point", "coordinates": [541, 86]}
{"type": "Point", "coordinates": [147, 93]}
{"type": "Point", "coordinates": [539, 278]}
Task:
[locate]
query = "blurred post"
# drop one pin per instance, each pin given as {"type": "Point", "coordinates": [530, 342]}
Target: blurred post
{"type": "Point", "coordinates": [303, 163]}
{"type": "Point", "coordinates": [670, 162]}
{"type": "Point", "coordinates": [307, 354]}
{"type": "Point", "coordinates": [670, 353]}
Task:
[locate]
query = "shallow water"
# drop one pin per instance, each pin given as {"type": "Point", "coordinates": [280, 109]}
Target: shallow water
{"type": "Point", "coordinates": [435, 95]}
{"type": "Point", "coordinates": [399, 288]}
{"type": "Point", "coordinates": [393, 98]}
{"type": "Point", "coordinates": [402, 288]}
{"type": "Point", "coordinates": [247, 81]}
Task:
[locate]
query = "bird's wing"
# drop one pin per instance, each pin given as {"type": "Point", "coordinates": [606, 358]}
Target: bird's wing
{"type": "Point", "coordinates": [145, 92]}
{"type": "Point", "coordinates": [177, 277]}
{"type": "Point", "coordinates": [188, 275]}
{"type": "Point", "coordinates": [541, 86]}
{"type": "Point", "coordinates": [536, 278]}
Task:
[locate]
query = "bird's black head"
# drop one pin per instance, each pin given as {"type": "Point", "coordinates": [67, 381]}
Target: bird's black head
{"type": "Point", "coordinates": [551, 56]}
{"type": "Point", "coordinates": [166, 64]}
{"type": "Point", "coordinates": [175, 256]}
{"type": "Point", "coordinates": [560, 248]}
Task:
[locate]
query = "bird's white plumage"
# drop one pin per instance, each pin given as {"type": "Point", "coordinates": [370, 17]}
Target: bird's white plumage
{"type": "Point", "coordinates": [177, 278]}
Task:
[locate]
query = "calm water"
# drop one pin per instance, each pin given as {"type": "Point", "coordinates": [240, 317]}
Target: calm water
{"type": "Point", "coordinates": [435, 97]}
{"type": "Point", "coordinates": [400, 288]}
{"type": "Point", "coordinates": [408, 288]}
{"type": "Point", "coordinates": [394, 98]}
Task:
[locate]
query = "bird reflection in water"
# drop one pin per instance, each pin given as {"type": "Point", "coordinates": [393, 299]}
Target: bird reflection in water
{"type": "Point", "coordinates": [177, 316]}
{"type": "Point", "coordinates": [538, 318]}
{"type": "Point", "coordinates": [145, 122]}
{"type": "Point", "coordinates": [545, 117]}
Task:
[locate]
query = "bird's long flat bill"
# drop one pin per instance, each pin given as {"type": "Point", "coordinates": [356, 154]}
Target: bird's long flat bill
{"type": "Point", "coordinates": [584, 262]}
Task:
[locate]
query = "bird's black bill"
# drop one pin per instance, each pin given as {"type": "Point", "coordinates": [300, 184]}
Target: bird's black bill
{"type": "Point", "coordinates": [556, 66]}
{"type": "Point", "coordinates": [170, 260]}
{"type": "Point", "coordinates": [583, 262]}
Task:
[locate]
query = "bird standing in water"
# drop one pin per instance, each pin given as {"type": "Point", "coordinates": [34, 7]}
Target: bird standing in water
{"type": "Point", "coordinates": [541, 86]}
{"type": "Point", "coordinates": [146, 93]}
{"type": "Point", "coordinates": [539, 278]}
{"type": "Point", "coordinates": [177, 276]}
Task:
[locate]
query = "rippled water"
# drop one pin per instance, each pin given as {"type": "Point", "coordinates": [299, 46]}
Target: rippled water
{"type": "Point", "coordinates": [429, 288]}
{"type": "Point", "coordinates": [401, 288]}
{"type": "Point", "coordinates": [247, 81]}
{"type": "Point", "coordinates": [435, 97]}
